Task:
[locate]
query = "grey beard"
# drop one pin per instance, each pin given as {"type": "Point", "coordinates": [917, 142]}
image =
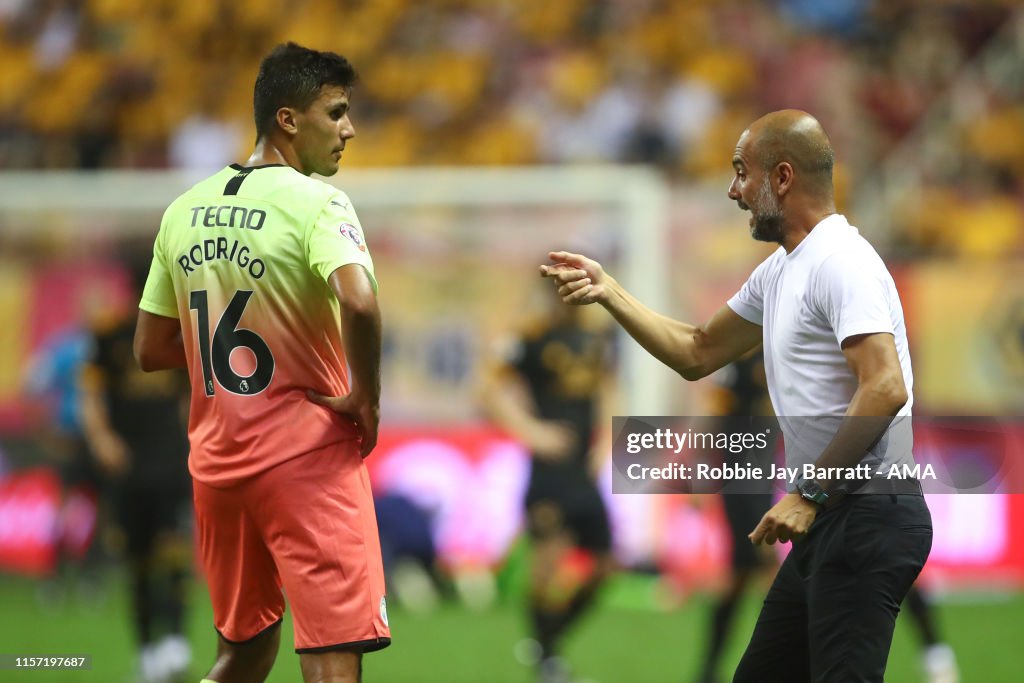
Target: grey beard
{"type": "Point", "coordinates": [767, 228]}
{"type": "Point", "coordinates": [768, 225]}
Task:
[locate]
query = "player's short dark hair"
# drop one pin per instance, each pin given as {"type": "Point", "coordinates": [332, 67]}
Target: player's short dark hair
{"type": "Point", "coordinates": [292, 76]}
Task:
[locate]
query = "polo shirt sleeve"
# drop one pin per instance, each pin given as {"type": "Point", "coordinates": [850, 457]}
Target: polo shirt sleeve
{"type": "Point", "coordinates": [748, 303]}
{"type": "Point", "coordinates": [855, 294]}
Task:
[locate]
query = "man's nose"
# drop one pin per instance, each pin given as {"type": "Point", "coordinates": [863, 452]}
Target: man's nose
{"type": "Point", "coordinates": [348, 131]}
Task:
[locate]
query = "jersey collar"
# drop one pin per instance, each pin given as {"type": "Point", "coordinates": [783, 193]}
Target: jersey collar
{"type": "Point", "coordinates": [239, 167]}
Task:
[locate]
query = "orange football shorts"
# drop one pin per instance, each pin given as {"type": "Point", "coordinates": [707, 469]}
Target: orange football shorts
{"type": "Point", "coordinates": [307, 526]}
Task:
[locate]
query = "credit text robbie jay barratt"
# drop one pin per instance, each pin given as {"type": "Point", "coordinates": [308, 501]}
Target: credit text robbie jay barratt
{"type": "Point", "coordinates": [706, 472]}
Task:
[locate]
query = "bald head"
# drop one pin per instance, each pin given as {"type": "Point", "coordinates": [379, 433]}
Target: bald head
{"type": "Point", "coordinates": [796, 137]}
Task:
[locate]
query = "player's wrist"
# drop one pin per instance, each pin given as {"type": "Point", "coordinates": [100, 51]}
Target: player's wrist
{"type": "Point", "coordinates": [611, 295]}
{"type": "Point", "coordinates": [367, 391]}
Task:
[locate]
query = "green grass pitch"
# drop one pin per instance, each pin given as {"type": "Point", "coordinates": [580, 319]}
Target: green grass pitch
{"type": "Point", "coordinates": [624, 640]}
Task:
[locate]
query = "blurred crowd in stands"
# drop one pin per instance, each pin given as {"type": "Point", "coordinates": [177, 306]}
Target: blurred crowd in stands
{"type": "Point", "coordinates": [936, 83]}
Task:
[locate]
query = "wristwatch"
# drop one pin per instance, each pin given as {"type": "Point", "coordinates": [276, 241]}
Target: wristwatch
{"type": "Point", "coordinates": [810, 490]}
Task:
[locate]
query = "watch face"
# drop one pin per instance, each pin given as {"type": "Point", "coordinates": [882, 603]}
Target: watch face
{"type": "Point", "coordinates": [810, 488]}
{"type": "Point", "coordinates": [811, 491]}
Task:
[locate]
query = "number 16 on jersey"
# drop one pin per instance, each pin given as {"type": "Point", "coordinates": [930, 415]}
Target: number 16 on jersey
{"type": "Point", "coordinates": [216, 356]}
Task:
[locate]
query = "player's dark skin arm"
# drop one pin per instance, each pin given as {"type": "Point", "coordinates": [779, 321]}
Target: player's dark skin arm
{"type": "Point", "coordinates": [881, 392]}
{"type": "Point", "coordinates": [505, 400]}
{"type": "Point", "coordinates": [158, 344]}
{"type": "Point", "coordinates": [691, 350]}
{"type": "Point", "coordinates": [105, 445]}
{"type": "Point", "coordinates": [361, 336]}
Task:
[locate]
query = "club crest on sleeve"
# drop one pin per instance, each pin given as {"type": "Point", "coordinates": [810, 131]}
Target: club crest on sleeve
{"type": "Point", "coordinates": [352, 232]}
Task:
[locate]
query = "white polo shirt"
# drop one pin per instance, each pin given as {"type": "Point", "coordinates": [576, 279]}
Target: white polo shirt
{"type": "Point", "coordinates": [834, 285]}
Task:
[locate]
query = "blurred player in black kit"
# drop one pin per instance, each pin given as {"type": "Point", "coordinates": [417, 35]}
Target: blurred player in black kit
{"type": "Point", "coordinates": [546, 389]}
{"type": "Point", "coordinates": [133, 424]}
{"type": "Point", "coordinates": [741, 394]}
{"type": "Point", "coordinates": [937, 658]}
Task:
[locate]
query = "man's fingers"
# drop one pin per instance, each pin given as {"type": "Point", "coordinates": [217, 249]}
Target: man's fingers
{"type": "Point", "coordinates": [364, 420]}
{"type": "Point", "coordinates": [570, 287]}
{"type": "Point", "coordinates": [319, 399]}
{"type": "Point", "coordinates": [566, 257]}
{"type": "Point", "coordinates": [336, 403]}
{"type": "Point", "coordinates": [573, 275]}
{"type": "Point", "coordinates": [553, 269]}
{"type": "Point", "coordinates": [757, 535]}
{"type": "Point", "coordinates": [368, 443]}
{"type": "Point", "coordinates": [564, 274]}
{"type": "Point", "coordinates": [368, 427]}
{"type": "Point", "coordinates": [580, 295]}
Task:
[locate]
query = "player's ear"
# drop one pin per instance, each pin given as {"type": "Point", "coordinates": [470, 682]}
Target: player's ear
{"type": "Point", "coordinates": [784, 177]}
{"type": "Point", "coordinates": [286, 120]}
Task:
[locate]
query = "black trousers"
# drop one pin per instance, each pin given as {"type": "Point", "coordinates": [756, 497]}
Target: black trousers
{"type": "Point", "coordinates": [829, 615]}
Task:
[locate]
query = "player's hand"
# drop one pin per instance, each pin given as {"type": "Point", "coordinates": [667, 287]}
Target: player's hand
{"type": "Point", "coordinates": [551, 441]}
{"type": "Point", "coordinates": [579, 280]}
{"type": "Point", "coordinates": [788, 520]}
{"type": "Point", "coordinates": [362, 410]}
{"type": "Point", "coordinates": [112, 454]}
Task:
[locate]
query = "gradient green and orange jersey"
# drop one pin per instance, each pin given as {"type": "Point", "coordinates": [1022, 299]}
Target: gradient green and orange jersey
{"type": "Point", "coordinates": [242, 260]}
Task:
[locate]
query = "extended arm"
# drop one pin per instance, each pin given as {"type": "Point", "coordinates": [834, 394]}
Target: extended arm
{"type": "Point", "coordinates": [361, 337]}
{"type": "Point", "coordinates": [158, 344]}
{"type": "Point", "coordinates": [692, 351]}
